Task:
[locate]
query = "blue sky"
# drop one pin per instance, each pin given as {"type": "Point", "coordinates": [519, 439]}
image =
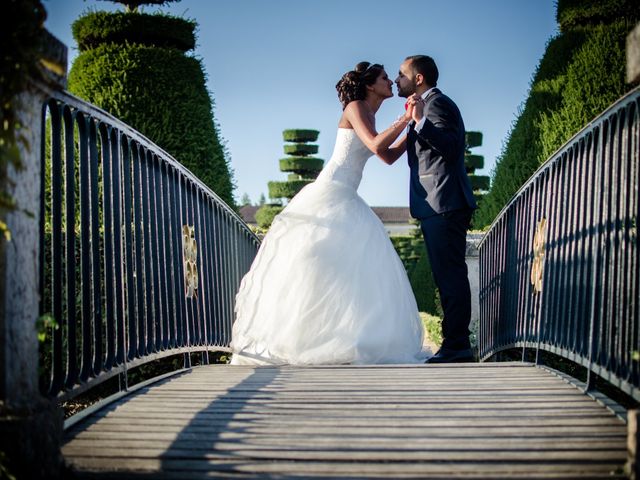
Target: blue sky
{"type": "Point", "coordinates": [273, 65]}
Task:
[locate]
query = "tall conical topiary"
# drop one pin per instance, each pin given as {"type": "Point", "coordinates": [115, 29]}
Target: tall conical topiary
{"type": "Point", "coordinates": [136, 67]}
{"type": "Point", "coordinates": [581, 73]}
{"type": "Point", "coordinates": [303, 168]}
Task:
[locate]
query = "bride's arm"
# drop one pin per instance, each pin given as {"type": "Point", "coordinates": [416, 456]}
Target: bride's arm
{"type": "Point", "coordinates": [395, 151]}
{"type": "Point", "coordinates": [360, 119]}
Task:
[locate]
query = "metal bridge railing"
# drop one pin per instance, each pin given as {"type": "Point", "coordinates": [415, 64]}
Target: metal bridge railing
{"type": "Point", "coordinates": [140, 260]}
{"type": "Point", "coordinates": [559, 268]}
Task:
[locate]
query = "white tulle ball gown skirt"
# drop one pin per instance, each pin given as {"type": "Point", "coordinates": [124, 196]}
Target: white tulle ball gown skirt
{"type": "Point", "coordinates": [326, 287]}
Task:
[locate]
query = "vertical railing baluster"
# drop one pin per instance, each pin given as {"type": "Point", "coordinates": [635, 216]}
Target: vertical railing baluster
{"type": "Point", "coordinates": [56, 246]}
{"type": "Point", "coordinates": [85, 246]}
{"type": "Point", "coordinates": [69, 223]}
{"type": "Point", "coordinates": [597, 246]}
{"type": "Point", "coordinates": [132, 319]}
{"type": "Point", "coordinates": [150, 289]}
{"type": "Point", "coordinates": [176, 243]}
{"type": "Point", "coordinates": [168, 338]}
{"type": "Point", "coordinates": [109, 263]}
{"type": "Point", "coordinates": [218, 274]}
{"type": "Point", "coordinates": [208, 251]}
{"type": "Point", "coordinates": [158, 253]}
{"type": "Point", "coordinates": [579, 252]}
{"type": "Point", "coordinates": [203, 281]}
{"type": "Point", "coordinates": [610, 181]}
{"type": "Point", "coordinates": [96, 241]}
{"type": "Point", "coordinates": [120, 256]}
{"type": "Point", "coordinates": [137, 155]}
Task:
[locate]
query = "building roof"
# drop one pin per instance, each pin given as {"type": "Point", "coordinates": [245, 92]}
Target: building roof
{"type": "Point", "coordinates": [386, 214]}
{"type": "Point", "coordinates": [248, 213]}
{"type": "Point", "coordinates": [393, 214]}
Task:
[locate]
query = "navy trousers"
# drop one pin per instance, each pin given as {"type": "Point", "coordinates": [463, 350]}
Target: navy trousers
{"type": "Point", "coordinates": [445, 236]}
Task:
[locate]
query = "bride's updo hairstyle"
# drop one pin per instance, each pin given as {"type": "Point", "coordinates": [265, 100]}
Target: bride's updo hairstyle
{"type": "Point", "coordinates": [352, 84]}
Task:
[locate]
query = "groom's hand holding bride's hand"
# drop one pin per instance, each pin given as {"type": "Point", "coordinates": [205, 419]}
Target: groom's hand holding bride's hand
{"type": "Point", "coordinates": [409, 108]}
{"type": "Point", "coordinates": [415, 103]}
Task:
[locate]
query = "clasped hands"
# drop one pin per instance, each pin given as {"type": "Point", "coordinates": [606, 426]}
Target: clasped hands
{"type": "Point", "coordinates": [414, 108]}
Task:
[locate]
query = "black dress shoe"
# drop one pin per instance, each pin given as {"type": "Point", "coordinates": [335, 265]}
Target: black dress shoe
{"type": "Point", "coordinates": [445, 355]}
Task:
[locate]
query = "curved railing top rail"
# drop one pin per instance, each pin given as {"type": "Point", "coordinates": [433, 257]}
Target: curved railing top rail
{"type": "Point", "coordinates": [107, 118]}
{"type": "Point", "coordinates": [558, 153]}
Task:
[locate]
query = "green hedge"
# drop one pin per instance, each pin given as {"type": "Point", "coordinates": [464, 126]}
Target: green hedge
{"type": "Point", "coordinates": [266, 213]}
{"type": "Point", "coordinates": [413, 253]}
{"type": "Point", "coordinates": [424, 286]}
{"type": "Point", "coordinates": [301, 164]}
{"type": "Point", "coordinates": [301, 149]}
{"type": "Point", "coordinates": [97, 28]}
{"type": "Point", "coordinates": [300, 135]}
{"type": "Point", "coordinates": [286, 189]}
{"type": "Point", "coordinates": [579, 76]}
{"type": "Point", "coordinates": [473, 139]}
{"type": "Point", "coordinates": [162, 93]}
{"type": "Point", "coordinates": [575, 13]}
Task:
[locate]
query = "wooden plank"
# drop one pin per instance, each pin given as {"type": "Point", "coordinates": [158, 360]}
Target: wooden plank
{"type": "Point", "coordinates": [180, 469]}
{"type": "Point", "coordinates": [400, 454]}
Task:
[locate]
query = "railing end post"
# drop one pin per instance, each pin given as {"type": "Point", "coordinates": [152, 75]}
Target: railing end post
{"type": "Point", "coordinates": [30, 425]}
{"type": "Point", "coordinates": [31, 438]}
{"type": "Point", "coordinates": [632, 467]}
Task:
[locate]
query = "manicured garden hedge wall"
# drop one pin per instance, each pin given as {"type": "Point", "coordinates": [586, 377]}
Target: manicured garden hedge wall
{"type": "Point", "coordinates": [580, 75]}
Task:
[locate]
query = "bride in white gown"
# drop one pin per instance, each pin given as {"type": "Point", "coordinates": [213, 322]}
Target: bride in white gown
{"type": "Point", "coordinates": [327, 286]}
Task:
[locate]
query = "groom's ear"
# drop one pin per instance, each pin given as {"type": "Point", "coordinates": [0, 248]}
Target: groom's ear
{"type": "Point", "coordinates": [419, 79]}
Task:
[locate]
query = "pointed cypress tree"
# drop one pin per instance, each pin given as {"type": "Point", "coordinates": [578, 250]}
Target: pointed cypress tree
{"type": "Point", "coordinates": [136, 67]}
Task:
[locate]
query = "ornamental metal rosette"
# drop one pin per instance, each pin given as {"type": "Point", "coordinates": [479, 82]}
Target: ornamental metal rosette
{"type": "Point", "coordinates": [539, 251]}
{"type": "Point", "coordinates": [190, 257]}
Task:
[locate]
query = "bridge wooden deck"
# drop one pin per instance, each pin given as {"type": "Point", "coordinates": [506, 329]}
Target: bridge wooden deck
{"type": "Point", "coordinates": [490, 420]}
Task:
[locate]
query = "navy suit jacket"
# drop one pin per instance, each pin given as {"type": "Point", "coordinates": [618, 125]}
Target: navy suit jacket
{"type": "Point", "coordinates": [439, 181]}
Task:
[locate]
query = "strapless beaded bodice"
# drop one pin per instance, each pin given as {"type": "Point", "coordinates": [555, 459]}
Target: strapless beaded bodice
{"type": "Point", "coordinates": [347, 162]}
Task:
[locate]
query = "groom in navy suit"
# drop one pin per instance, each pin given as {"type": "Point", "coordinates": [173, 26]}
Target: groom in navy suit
{"type": "Point", "coordinates": [440, 197]}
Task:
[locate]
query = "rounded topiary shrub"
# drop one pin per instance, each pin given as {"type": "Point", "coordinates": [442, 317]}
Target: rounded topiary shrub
{"type": "Point", "coordinates": [301, 149]}
{"type": "Point", "coordinates": [97, 28]}
{"type": "Point", "coordinates": [301, 164]}
{"type": "Point", "coordinates": [300, 135]}
{"type": "Point", "coordinates": [473, 139]}
{"type": "Point", "coordinates": [286, 189]}
{"type": "Point", "coordinates": [159, 91]}
{"type": "Point", "coordinates": [472, 162]}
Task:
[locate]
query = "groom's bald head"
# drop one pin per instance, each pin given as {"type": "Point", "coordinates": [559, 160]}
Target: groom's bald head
{"type": "Point", "coordinates": [425, 66]}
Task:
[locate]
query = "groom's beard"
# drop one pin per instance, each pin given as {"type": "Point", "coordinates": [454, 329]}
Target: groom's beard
{"type": "Point", "coordinates": [404, 92]}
